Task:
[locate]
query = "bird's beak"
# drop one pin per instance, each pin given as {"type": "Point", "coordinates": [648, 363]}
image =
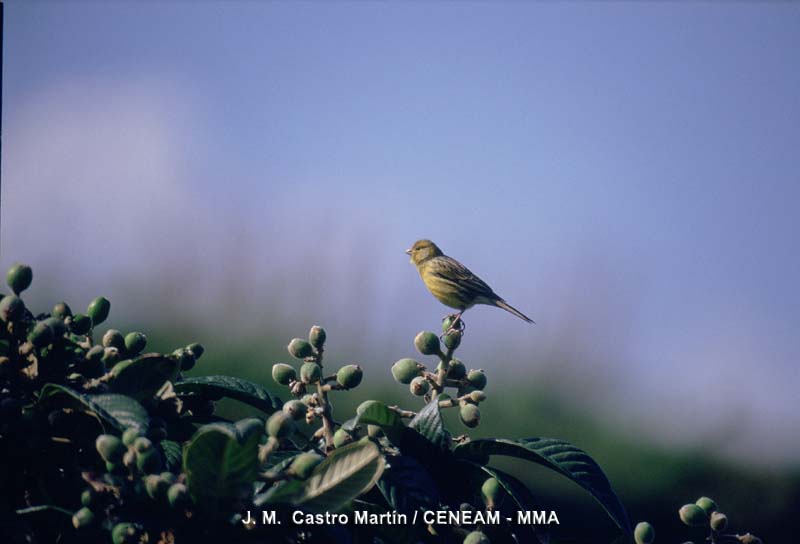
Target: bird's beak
{"type": "Point", "coordinates": [408, 252]}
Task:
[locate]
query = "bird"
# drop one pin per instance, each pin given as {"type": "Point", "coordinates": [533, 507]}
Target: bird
{"type": "Point", "coordinates": [453, 284]}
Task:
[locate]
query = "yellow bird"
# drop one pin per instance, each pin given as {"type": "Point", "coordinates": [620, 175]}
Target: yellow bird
{"type": "Point", "coordinates": [452, 283]}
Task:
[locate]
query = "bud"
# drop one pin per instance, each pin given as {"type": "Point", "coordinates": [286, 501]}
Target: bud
{"type": "Point", "coordinates": [470, 415]}
{"type": "Point", "coordinates": [149, 461]}
{"type": "Point", "coordinates": [126, 533]}
{"type": "Point", "coordinates": [98, 310]}
{"type": "Point", "coordinates": [11, 308]}
{"type": "Point", "coordinates": [310, 373]}
{"type": "Point", "coordinates": [41, 335]}
{"type": "Point", "coordinates": [349, 376]}
{"type": "Point", "coordinates": [178, 496]}
{"type": "Point", "coordinates": [457, 370]}
{"type": "Point", "coordinates": [452, 340]}
{"type": "Point", "coordinates": [283, 373]}
{"type": "Point", "coordinates": [130, 435]}
{"type": "Point", "coordinates": [406, 370]}
{"type": "Point", "coordinates": [279, 425]}
{"type": "Point", "coordinates": [477, 396]}
{"type": "Point", "coordinates": [491, 490]}
{"type": "Point", "coordinates": [295, 409]}
{"type": "Point", "coordinates": [427, 343]}
{"type": "Point", "coordinates": [719, 521]}
{"type": "Point", "coordinates": [81, 324]}
{"type": "Point", "coordinates": [341, 438]}
{"type": "Point", "coordinates": [300, 349]}
{"type": "Point", "coordinates": [113, 339]}
{"type": "Point", "coordinates": [693, 515]}
{"type": "Point", "coordinates": [477, 537]}
{"type": "Point", "coordinates": [317, 336]}
{"type": "Point", "coordinates": [61, 310]}
{"type": "Point", "coordinates": [110, 447]}
{"type": "Point", "coordinates": [142, 444]}
{"type": "Point", "coordinates": [196, 349]}
{"type": "Point", "coordinates": [83, 518]}
{"type": "Point", "coordinates": [749, 539]}
{"type": "Point", "coordinates": [135, 342]}
{"type": "Point", "coordinates": [89, 497]}
{"type": "Point", "coordinates": [304, 464]}
{"type": "Point", "coordinates": [19, 277]}
{"type": "Point", "coordinates": [156, 486]}
{"type": "Point", "coordinates": [477, 379]}
{"type": "Point", "coordinates": [708, 505]}
{"type": "Point", "coordinates": [419, 386]}
{"type": "Point", "coordinates": [644, 533]}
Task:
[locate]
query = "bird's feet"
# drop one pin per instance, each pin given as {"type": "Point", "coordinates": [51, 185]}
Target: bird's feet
{"type": "Point", "coordinates": [453, 323]}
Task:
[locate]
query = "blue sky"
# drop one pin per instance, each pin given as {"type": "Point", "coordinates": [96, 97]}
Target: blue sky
{"type": "Point", "coordinates": [625, 173]}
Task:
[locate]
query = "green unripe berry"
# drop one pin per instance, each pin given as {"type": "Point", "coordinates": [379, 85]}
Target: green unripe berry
{"type": "Point", "coordinates": [135, 342]}
{"type": "Point", "coordinates": [280, 425]}
{"type": "Point", "coordinates": [168, 477]}
{"type": "Point", "coordinates": [58, 326]}
{"type": "Point", "coordinates": [708, 505]}
{"type": "Point", "coordinates": [477, 379]}
{"type": "Point", "coordinates": [61, 310]}
{"type": "Point", "coordinates": [178, 496]}
{"type": "Point", "coordinates": [295, 409]}
{"type": "Point", "coordinates": [456, 370]}
{"type": "Point", "coordinates": [349, 376]}
{"type": "Point", "coordinates": [19, 277]}
{"type": "Point", "coordinates": [447, 323]}
{"type": "Point", "coordinates": [718, 521]}
{"type": "Point", "coordinates": [83, 518]}
{"type": "Point", "coordinates": [305, 463]}
{"type": "Point", "coordinates": [142, 444]}
{"type": "Point", "coordinates": [406, 370]}
{"type": "Point", "coordinates": [470, 415]}
{"type": "Point", "coordinates": [89, 497]}
{"type": "Point", "coordinates": [317, 336]}
{"type": "Point", "coordinates": [130, 435]}
{"type": "Point", "coordinates": [149, 462]}
{"type": "Point", "coordinates": [692, 515]}
{"type": "Point", "coordinates": [11, 308]}
{"type": "Point", "coordinates": [196, 349]}
{"type": "Point", "coordinates": [427, 343]}
{"type": "Point", "coordinates": [477, 396]}
{"type": "Point", "coordinates": [419, 386]}
{"type": "Point", "coordinates": [110, 448]}
{"type": "Point", "coordinates": [477, 537]}
{"type": "Point", "coordinates": [186, 359]}
{"type": "Point", "coordinates": [126, 533]}
{"type": "Point", "coordinates": [644, 533]}
{"type": "Point", "coordinates": [491, 490]}
{"type": "Point", "coordinates": [129, 459]}
{"type": "Point", "coordinates": [341, 438]}
{"type": "Point", "coordinates": [300, 349]}
{"type": "Point", "coordinates": [452, 340]}
{"type": "Point", "coordinates": [156, 486]}
{"type": "Point", "coordinates": [310, 373]}
{"type": "Point", "coordinates": [113, 339]}
{"type": "Point", "coordinates": [98, 310]}
{"type": "Point", "coordinates": [283, 373]}
{"type": "Point", "coordinates": [81, 324]}
{"type": "Point", "coordinates": [41, 335]}
{"type": "Point", "coordinates": [111, 357]}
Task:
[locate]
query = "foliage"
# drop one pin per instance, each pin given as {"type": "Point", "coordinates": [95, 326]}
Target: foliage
{"type": "Point", "coordinates": [101, 441]}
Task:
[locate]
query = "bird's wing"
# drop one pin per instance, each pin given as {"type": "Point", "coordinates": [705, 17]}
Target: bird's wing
{"type": "Point", "coordinates": [450, 269]}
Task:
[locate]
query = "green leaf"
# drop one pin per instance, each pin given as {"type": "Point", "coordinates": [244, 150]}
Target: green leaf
{"type": "Point", "coordinates": [216, 387]}
{"type": "Point", "coordinates": [142, 377]}
{"type": "Point", "coordinates": [348, 472]}
{"type": "Point", "coordinates": [124, 409]}
{"type": "Point", "coordinates": [557, 455]}
{"type": "Point", "coordinates": [378, 413]}
{"type": "Point", "coordinates": [173, 455]}
{"type": "Point", "coordinates": [114, 412]}
{"type": "Point", "coordinates": [221, 459]}
{"type": "Point", "coordinates": [428, 423]}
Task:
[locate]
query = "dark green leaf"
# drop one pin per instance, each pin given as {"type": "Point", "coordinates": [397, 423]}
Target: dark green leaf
{"type": "Point", "coordinates": [557, 455]}
{"type": "Point", "coordinates": [428, 423]}
{"type": "Point", "coordinates": [114, 412]}
{"type": "Point", "coordinates": [142, 377]}
{"type": "Point", "coordinates": [222, 459]}
{"type": "Point", "coordinates": [377, 413]}
{"type": "Point", "coordinates": [216, 387]}
{"type": "Point", "coordinates": [124, 409]}
{"type": "Point", "coordinates": [173, 455]}
{"type": "Point", "coordinates": [407, 485]}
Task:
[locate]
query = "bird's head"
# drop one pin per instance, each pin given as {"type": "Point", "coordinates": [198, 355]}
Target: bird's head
{"type": "Point", "coordinates": [422, 250]}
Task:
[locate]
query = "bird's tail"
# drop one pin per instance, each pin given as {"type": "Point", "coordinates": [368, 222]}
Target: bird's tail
{"type": "Point", "coordinates": [500, 303]}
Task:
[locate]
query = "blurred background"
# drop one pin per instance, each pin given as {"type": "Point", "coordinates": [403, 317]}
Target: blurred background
{"type": "Point", "coordinates": [626, 174]}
